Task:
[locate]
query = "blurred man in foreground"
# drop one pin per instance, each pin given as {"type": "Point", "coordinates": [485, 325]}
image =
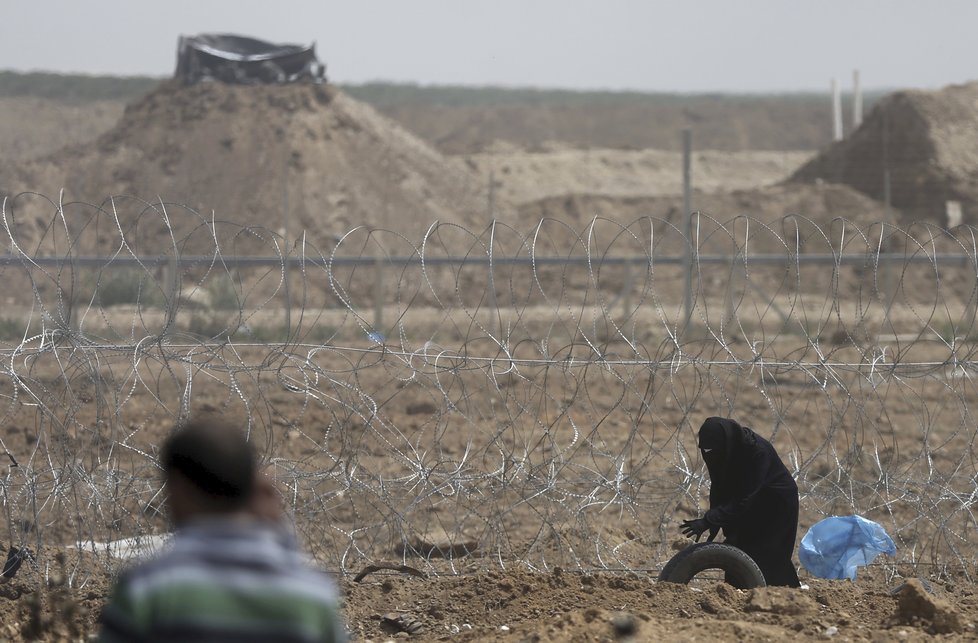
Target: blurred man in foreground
{"type": "Point", "coordinates": [231, 571]}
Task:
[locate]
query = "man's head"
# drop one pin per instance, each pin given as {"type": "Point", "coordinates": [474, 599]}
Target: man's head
{"type": "Point", "coordinates": [210, 468]}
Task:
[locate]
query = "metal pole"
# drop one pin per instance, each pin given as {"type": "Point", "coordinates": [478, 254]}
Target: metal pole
{"type": "Point", "coordinates": [836, 112]}
{"type": "Point", "coordinates": [493, 304]}
{"type": "Point", "coordinates": [171, 283]}
{"type": "Point", "coordinates": [492, 195]}
{"type": "Point", "coordinates": [687, 227]}
{"type": "Point", "coordinates": [379, 293]}
{"type": "Point", "coordinates": [884, 236]}
{"type": "Point", "coordinates": [626, 291]}
{"type": "Point", "coordinates": [857, 100]}
{"type": "Point", "coordinates": [285, 267]}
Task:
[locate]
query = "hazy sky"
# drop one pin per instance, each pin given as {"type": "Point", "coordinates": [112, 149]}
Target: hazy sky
{"type": "Point", "coordinates": [679, 45]}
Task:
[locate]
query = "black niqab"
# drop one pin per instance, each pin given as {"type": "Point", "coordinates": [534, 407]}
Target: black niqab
{"type": "Point", "coordinates": [716, 441]}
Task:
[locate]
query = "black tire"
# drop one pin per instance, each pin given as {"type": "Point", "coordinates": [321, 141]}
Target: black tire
{"type": "Point", "coordinates": [739, 569]}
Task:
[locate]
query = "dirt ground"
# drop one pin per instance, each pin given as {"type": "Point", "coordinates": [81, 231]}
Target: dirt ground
{"type": "Point", "coordinates": [400, 456]}
{"type": "Point", "coordinates": [536, 491]}
{"type": "Point", "coordinates": [528, 575]}
{"type": "Point", "coordinates": [521, 176]}
{"type": "Point", "coordinates": [517, 605]}
{"type": "Point", "coordinates": [31, 127]}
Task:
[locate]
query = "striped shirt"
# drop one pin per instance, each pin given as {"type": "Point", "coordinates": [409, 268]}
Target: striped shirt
{"type": "Point", "coordinates": [224, 581]}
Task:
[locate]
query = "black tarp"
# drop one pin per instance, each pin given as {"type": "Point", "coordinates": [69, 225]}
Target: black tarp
{"type": "Point", "coordinates": [243, 60]}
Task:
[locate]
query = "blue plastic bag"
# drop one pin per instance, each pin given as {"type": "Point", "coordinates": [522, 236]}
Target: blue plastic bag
{"type": "Point", "coordinates": [836, 546]}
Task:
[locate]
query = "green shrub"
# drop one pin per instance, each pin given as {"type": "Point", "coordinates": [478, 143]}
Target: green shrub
{"type": "Point", "coordinates": [75, 87]}
{"type": "Point", "coordinates": [122, 286]}
{"type": "Point", "coordinates": [207, 325]}
{"type": "Point", "coordinates": [11, 329]}
{"type": "Point", "coordinates": [222, 292]}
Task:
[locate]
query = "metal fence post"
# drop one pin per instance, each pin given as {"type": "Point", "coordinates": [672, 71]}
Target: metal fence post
{"type": "Point", "coordinates": [687, 228]}
{"type": "Point", "coordinates": [378, 294]}
{"type": "Point", "coordinates": [171, 279]}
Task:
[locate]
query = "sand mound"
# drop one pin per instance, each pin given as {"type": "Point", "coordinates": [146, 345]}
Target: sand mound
{"type": "Point", "coordinates": [915, 606]}
{"type": "Point", "coordinates": [252, 153]}
{"type": "Point", "coordinates": [929, 142]}
{"type": "Point", "coordinates": [34, 127]}
{"type": "Point", "coordinates": [819, 203]}
{"type": "Point", "coordinates": [522, 176]}
{"type": "Point", "coordinates": [782, 219]}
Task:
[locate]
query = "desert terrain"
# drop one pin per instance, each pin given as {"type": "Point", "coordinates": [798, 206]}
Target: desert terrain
{"type": "Point", "coordinates": [508, 435]}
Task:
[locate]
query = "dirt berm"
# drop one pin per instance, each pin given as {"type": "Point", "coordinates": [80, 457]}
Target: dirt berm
{"type": "Point", "coordinates": [250, 154]}
{"type": "Point", "coordinates": [927, 140]}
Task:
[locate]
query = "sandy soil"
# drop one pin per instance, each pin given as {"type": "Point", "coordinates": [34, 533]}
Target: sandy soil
{"type": "Point", "coordinates": [33, 127]}
{"type": "Point", "coordinates": [561, 606]}
{"type": "Point", "coordinates": [301, 161]}
{"type": "Point", "coordinates": [521, 176]}
{"type": "Point", "coordinates": [522, 606]}
{"type": "Point", "coordinates": [366, 446]}
{"type": "Point", "coordinates": [561, 571]}
{"type": "Point", "coordinates": [539, 496]}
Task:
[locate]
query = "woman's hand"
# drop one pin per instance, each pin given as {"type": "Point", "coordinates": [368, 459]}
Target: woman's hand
{"type": "Point", "coordinates": [695, 528]}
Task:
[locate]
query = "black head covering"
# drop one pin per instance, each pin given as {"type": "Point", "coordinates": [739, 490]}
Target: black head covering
{"type": "Point", "coordinates": [719, 439]}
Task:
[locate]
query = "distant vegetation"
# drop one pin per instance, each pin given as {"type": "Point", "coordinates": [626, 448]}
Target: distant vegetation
{"type": "Point", "coordinates": [72, 88]}
{"type": "Point", "coordinates": [391, 94]}
{"type": "Point", "coordinates": [79, 87]}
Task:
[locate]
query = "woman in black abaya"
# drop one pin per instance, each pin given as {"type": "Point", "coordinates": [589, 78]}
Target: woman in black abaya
{"type": "Point", "coordinates": [753, 498]}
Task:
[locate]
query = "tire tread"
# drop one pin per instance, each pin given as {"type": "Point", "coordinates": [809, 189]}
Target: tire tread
{"type": "Point", "coordinates": [739, 568]}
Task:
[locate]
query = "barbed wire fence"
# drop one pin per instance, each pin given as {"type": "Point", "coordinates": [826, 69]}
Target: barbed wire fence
{"type": "Point", "coordinates": [486, 398]}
